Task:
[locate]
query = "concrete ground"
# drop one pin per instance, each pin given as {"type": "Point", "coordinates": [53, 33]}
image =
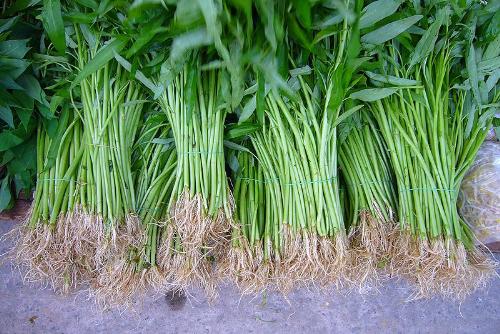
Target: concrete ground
{"type": "Point", "coordinates": [25, 309]}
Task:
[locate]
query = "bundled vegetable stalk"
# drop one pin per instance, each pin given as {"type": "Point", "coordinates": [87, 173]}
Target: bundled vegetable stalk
{"type": "Point", "coordinates": [111, 113]}
{"type": "Point", "coordinates": [245, 263]}
{"type": "Point", "coordinates": [424, 131]}
{"type": "Point", "coordinates": [293, 232]}
{"type": "Point", "coordinates": [45, 244]}
{"type": "Point", "coordinates": [201, 204]}
{"type": "Point", "coordinates": [303, 237]}
{"type": "Point", "coordinates": [366, 169]}
{"type": "Point", "coordinates": [155, 161]}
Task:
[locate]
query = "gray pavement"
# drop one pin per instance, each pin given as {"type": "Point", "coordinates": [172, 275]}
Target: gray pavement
{"type": "Point", "coordinates": [28, 309]}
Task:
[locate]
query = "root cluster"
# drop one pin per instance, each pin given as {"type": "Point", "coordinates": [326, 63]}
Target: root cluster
{"type": "Point", "coordinates": [439, 266]}
{"type": "Point", "coordinates": [193, 242]}
{"type": "Point", "coordinates": [304, 260]}
{"type": "Point", "coordinates": [369, 247]}
{"type": "Point", "coordinates": [80, 251]}
{"type": "Point", "coordinates": [64, 255]}
{"type": "Point", "coordinates": [119, 278]}
{"type": "Point", "coordinates": [194, 250]}
{"type": "Point", "coordinates": [377, 251]}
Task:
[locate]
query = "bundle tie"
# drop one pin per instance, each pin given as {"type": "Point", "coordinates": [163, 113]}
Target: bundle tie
{"type": "Point", "coordinates": [371, 182]}
{"type": "Point", "coordinates": [428, 189]}
{"type": "Point", "coordinates": [200, 152]}
{"type": "Point", "coordinates": [63, 179]}
{"type": "Point", "coordinates": [102, 145]}
{"type": "Point", "coordinates": [277, 180]}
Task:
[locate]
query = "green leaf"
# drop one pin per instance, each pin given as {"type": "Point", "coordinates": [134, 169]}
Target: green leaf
{"type": "Point", "coordinates": [486, 116]}
{"type": "Point", "coordinates": [472, 71]}
{"type": "Point", "coordinates": [8, 83]}
{"type": "Point", "coordinates": [7, 157]}
{"type": "Point", "coordinates": [5, 196]}
{"type": "Point", "coordinates": [78, 17]}
{"type": "Point", "coordinates": [345, 115]}
{"type": "Point", "coordinates": [492, 7]}
{"type": "Point", "coordinates": [24, 100]}
{"type": "Point", "coordinates": [24, 115]}
{"type": "Point", "coordinates": [354, 46]}
{"type": "Point", "coordinates": [187, 14]}
{"type": "Point", "coordinates": [489, 65]}
{"type": "Point", "coordinates": [7, 99]}
{"type": "Point", "coordinates": [189, 40]}
{"type": "Point", "coordinates": [31, 87]}
{"type": "Point", "coordinates": [190, 89]}
{"type": "Point", "coordinates": [469, 112]}
{"type": "Point", "coordinates": [6, 24]}
{"type": "Point", "coordinates": [271, 76]}
{"type": "Point", "coordinates": [55, 102]}
{"type": "Point", "coordinates": [88, 3]}
{"type": "Point", "coordinates": [90, 38]}
{"type": "Point", "coordinates": [428, 40]}
{"type": "Point", "coordinates": [376, 11]}
{"type": "Point", "coordinates": [6, 116]}
{"type": "Point", "coordinates": [303, 10]}
{"type": "Point", "coordinates": [8, 140]}
{"type": "Point", "coordinates": [157, 90]}
{"type": "Point", "coordinates": [147, 33]}
{"type": "Point", "coordinates": [324, 33]}
{"type": "Point", "coordinates": [104, 55]}
{"type": "Point", "coordinates": [25, 133]}
{"type": "Point", "coordinates": [354, 64]}
{"type": "Point", "coordinates": [50, 125]}
{"type": "Point", "coordinates": [390, 30]}
{"type": "Point", "coordinates": [265, 11]}
{"type": "Point", "coordinates": [104, 7]}
{"type": "Point", "coordinates": [24, 158]}
{"type": "Point", "coordinates": [54, 24]}
{"type": "Point", "coordinates": [213, 65]}
{"type": "Point", "coordinates": [20, 5]}
{"type": "Point", "coordinates": [22, 181]}
{"type": "Point", "coordinates": [14, 48]}
{"type": "Point", "coordinates": [341, 7]}
{"type": "Point", "coordinates": [166, 142]}
{"type": "Point", "coordinates": [236, 147]}
{"type": "Point", "coordinates": [329, 23]}
{"type": "Point", "coordinates": [493, 49]}
{"type": "Point", "coordinates": [282, 62]}
{"type": "Point", "coordinates": [240, 130]}
{"type": "Point", "coordinates": [16, 67]}
{"type": "Point", "coordinates": [372, 94]}
{"type": "Point", "coordinates": [304, 70]}
{"type": "Point", "coordinates": [233, 162]}
{"type": "Point", "coordinates": [248, 109]}
{"type": "Point", "coordinates": [396, 81]}
{"type": "Point", "coordinates": [299, 34]}
{"type": "Point", "coordinates": [492, 80]}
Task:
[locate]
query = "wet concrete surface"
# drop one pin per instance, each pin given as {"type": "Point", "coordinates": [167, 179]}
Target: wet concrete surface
{"type": "Point", "coordinates": [29, 309]}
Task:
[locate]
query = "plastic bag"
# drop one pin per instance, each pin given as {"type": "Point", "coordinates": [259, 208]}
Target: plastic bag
{"type": "Point", "coordinates": [479, 197]}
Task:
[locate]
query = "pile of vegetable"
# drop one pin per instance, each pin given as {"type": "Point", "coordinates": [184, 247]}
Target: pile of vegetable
{"type": "Point", "coordinates": [478, 197]}
{"type": "Point", "coordinates": [274, 144]}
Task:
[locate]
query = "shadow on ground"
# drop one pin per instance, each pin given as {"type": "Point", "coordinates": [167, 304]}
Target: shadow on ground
{"type": "Point", "coordinates": [27, 309]}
